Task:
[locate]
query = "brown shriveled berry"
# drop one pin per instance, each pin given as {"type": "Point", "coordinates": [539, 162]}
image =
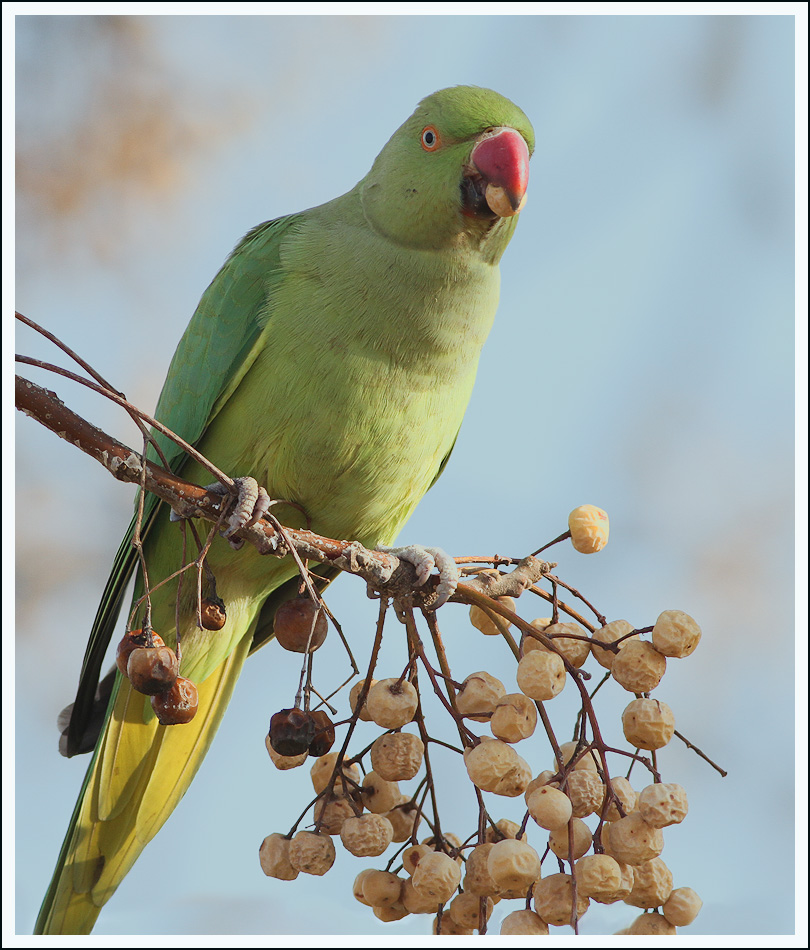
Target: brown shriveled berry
{"type": "Point", "coordinates": [682, 906]}
{"type": "Point", "coordinates": [648, 723]}
{"type": "Point", "coordinates": [366, 836]}
{"type": "Point", "coordinates": [274, 857]}
{"type": "Point", "coordinates": [212, 613]}
{"type": "Point", "coordinates": [590, 528]}
{"type": "Point", "coordinates": [553, 900]}
{"type": "Point", "coordinates": [324, 737]}
{"type": "Point", "coordinates": [152, 669]}
{"type": "Point", "coordinates": [312, 853]}
{"type": "Point", "coordinates": [651, 924]}
{"type": "Point", "coordinates": [522, 922]}
{"type": "Point", "coordinates": [132, 641]}
{"type": "Point", "coordinates": [478, 696]}
{"type": "Point", "coordinates": [638, 666]}
{"type": "Point", "coordinates": [559, 841]}
{"type": "Point", "coordinates": [392, 702]}
{"type": "Point", "coordinates": [291, 731]}
{"type": "Point", "coordinates": [177, 705]}
{"type": "Point", "coordinates": [675, 634]}
{"type": "Point", "coordinates": [299, 622]}
{"type": "Point", "coordinates": [397, 757]}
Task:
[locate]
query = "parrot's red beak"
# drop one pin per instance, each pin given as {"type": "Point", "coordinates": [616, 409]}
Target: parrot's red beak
{"type": "Point", "coordinates": [501, 159]}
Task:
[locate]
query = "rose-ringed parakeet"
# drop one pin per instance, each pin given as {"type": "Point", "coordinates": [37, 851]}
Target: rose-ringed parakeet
{"type": "Point", "coordinates": [331, 359]}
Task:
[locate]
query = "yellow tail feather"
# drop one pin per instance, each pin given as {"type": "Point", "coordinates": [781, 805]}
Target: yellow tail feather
{"type": "Point", "coordinates": [137, 777]}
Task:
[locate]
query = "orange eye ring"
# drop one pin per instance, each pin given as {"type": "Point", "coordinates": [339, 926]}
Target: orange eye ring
{"type": "Point", "coordinates": [430, 138]}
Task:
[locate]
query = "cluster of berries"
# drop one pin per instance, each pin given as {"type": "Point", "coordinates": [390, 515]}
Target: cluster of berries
{"type": "Point", "coordinates": [460, 882]}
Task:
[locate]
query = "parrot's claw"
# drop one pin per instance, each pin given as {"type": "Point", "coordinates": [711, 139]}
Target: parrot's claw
{"type": "Point", "coordinates": [252, 503]}
{"type": "Point", "coordinates": [425, 561]}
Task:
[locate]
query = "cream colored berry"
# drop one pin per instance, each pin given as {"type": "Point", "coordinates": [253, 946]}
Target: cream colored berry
{"type": "Point", "coordinates": [598, 876]}
{"type": "Point", "coordinates": [380, 796]}
{"type": "Point", "coordinates": [652, 884]}
{"type": "Point", "coordinates": [494, 766]}
{"type": "Point", "coordinates": [584, 760]}
{"type": "Point", "coordinates": [416, 903]}
{"type": "Point", "coordinates": [663, 804]}
{"type": "Point", "coordinates": [284, 762]}
{"type": "Point", "coordinates": [521, 922]}
{"type": "Point", "coordinates": [553, 900]}
{"type": "Point", "coordinates": [624, 888]}
{"type": "Point", "coordinates": [514, 718]}
{"type": "Point", "coordinates": [590, 528]}
{"type": "Point", "coordinates": [541, 675]}
{"type": "Point", "coordinates": [638, 667]}
{"type": "Point", "coordinates": [564, 637]}
{"type": "Point", "coordinates": [321, 774]}
{"type": "Point", "coordinates": [397, 757]}
{"type": "Point", "coordinates": [682, 906]}
{"type": "Point", "coordinates": [392, 702]}
{"type": "Point", "coordinates": [330, 814]}
{"type": "Point", "coordinates": [477, 879]}
{"type": "Point", "coordinates": [354, 698]}
{"type": "Point", "coordinates": [447, 927]}
{"type": "Point", "coordinates": [648, 723]}
{"type": "Point", "coordinates": [437, 875]}
{"type": "Point", "coordinates": [632, 841]}
{"type": "Point", "coordinates": [312, 852]}
{"type": "Point", "coordinates": [490, 623]}
{"type": "Point", "coordinates": [559, 841]}
{"type": "Point", "coordinates": [465, 910]}
{"type": "Point", "coordinates": [478, 696]}
{"type": "Point", "coordinates": [550, 807]}
{"type": "Point", "coordinates": [402, 821]}
{"type": "Point", "coordinates": [544, 778]}
{"type": "Point", "coordinates": [381, 889]}
{"type": "Point", "coordinates": [627, 796]}
{"type": "Point", "coordinates": [366, 835]}
{"type": "Point", "coordinates": [651, 925]}
{"type": "Point", "coordinates": [586, 791]}
{"type": "Point", "coordinates": [357, 887]}
{"type": "Point", "coordinates": [503, 829]}
{"type": "Point", "coordinates": [389, 914]}
{"type": "Point", "coordinates": [610, 633]}
{"type": "Point", "coordinates": [274, 857]}
{"type": "Point", "coordinates": [412, 855]}
{"type": "Point", "coordinates": [513, 865]}
{"type": "Point", "coordinates": [675, 634]}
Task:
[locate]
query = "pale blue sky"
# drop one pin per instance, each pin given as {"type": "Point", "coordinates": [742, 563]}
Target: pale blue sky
{"type": "Point", "coordinates": [642, 360]}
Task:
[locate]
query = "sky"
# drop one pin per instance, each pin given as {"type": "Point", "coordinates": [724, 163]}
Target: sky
{"type": "Point", "coordinates": [642, 360]}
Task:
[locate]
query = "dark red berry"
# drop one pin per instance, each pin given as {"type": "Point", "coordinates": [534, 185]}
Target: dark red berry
{"type": "Point", "coordinates": [324, 734]}
{"type": "Point", "coordinates": [130, 642]}
{"type": "Point", "coordinates": [294, 622]}
{"type": "Point", "coordinates": [178, 704]}
{"type": "Point", "coordinates": [291, 731]}
{"type": "Point", "coordinates": [152, 670]}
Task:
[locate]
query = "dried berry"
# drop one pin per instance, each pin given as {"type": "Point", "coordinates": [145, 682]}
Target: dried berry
{"type": "Point", "coordinates": [522, 922]}
{"type": "Point", "coordinates": [321, 774]}
{"type": "Point", "coordinates": [550, 807]}
{"type": "Point", "coordinates": [300, 625]}
{"type": "Point", "coordinates": [212, 613]}
{"type": "Point", "coordinates": [553, 900]}
{"type": "Point", "coordinates": [663, 804]}
{"type": "Point", "coordinates": [652, 884]}
{"type": "Point", "coordinates": [380, 796]}
{"type": "Point", "coordinates": [564, 636]}
{"type": "Point", "coordinates": [354, 696]}
{"type": "Point", "coordinates": [487, 621]}
{"type": "Point", "coordinates": [675, 634]}
{"type": "Point", "coordinates": [152, 670]}
{"type": "Point", "coordinates": [590, 528]}
{"type": "Point", "coordinates": [479, 695]}
{"type": "Point", "coordinates": [381, 888]}
{"type": "Point", "coordinates": [648, 723]}
{"type": "Point", "coordinates": [651, 924]}
{"type": "Point", "coordinates": [436, 876]}
{"type": "Point", "coordinates": [610, 633]}
{"type": "Point", "coordinates": [632, 841]}
{"type": "Point", "coordinates": [514, 717]}
{"type": "Point", "coordinates": [366, 836]}
{"type": "Point", "coordinates": [682, 906]}
{"type": "Point", "coordinates": [541, 675]}
{"type": "Point", "coordinates": [397, 757]}
{"type": "Point", "coordinates": [274, 857]}
{"type": "Point", "coordinates": [465, 910]}
{"type": "Point", "coordinates": [312, 852]}
{"type": "Point", "coordinates": [284, 762]}
{"type": "Point", "coordinates": [392, 702]}
{"type": "Point", "coordinates": [560, 843]}
{"type": "Point", "coordinates": [638, 666]}
{"type": "Point", "coordinates": [324, 737]}
{"type": "Point", "coordinates": [513, 865]}
{"type": "Point", "coordinates": [494, 766]}
{"type": "Point", "coordinates": [291, 731]}
{"type": "Point", "coordinates": [132, 641]}
{"type": "Point", "coordinates": [176, 705]}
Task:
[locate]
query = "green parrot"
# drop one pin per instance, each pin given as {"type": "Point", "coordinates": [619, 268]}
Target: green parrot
{"type": "Point", "coordinates": [331, 359]}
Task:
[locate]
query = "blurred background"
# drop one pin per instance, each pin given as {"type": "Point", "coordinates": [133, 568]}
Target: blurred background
{"type": "Point", "coordinates": [642, 361]}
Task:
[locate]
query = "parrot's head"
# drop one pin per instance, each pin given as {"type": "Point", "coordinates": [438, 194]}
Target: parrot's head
{"type": "Point", "coordinates": [454, 175]}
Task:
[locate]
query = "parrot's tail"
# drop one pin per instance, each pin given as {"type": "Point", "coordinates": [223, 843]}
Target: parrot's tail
{"type": "Point", "coordinates": [139, 773]}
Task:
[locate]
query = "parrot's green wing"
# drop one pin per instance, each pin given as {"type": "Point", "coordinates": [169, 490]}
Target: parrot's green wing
{"type": "Point", "coordinates": [216, 350]}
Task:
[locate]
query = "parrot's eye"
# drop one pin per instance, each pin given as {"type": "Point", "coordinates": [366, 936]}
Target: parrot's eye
{"type": "Point", "coordinates": [430, 139]}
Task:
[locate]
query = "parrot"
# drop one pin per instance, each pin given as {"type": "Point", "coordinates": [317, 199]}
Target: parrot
{"type": "Point", "coordinates": [331, 359]}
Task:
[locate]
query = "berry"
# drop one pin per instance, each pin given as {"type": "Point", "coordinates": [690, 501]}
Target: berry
{"type": "Point", "coordinates": [152, 669]}
{"type": "Point", "coordinates": [291, 731]}
{"type": "Point", "coordinates": [178, 704]}
{"type": "Point", "coordinates": [590, 528]}
{"type": "Point", "coordinates": [212, 613]}
{"type": "Point", "coordinates": [300, 622]}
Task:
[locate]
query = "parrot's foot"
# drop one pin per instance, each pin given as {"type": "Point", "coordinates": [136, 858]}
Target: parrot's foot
{"type": "Point", "coordinates": [425, 561]}
{"type": "Point", "coordinates": [252, 503]}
